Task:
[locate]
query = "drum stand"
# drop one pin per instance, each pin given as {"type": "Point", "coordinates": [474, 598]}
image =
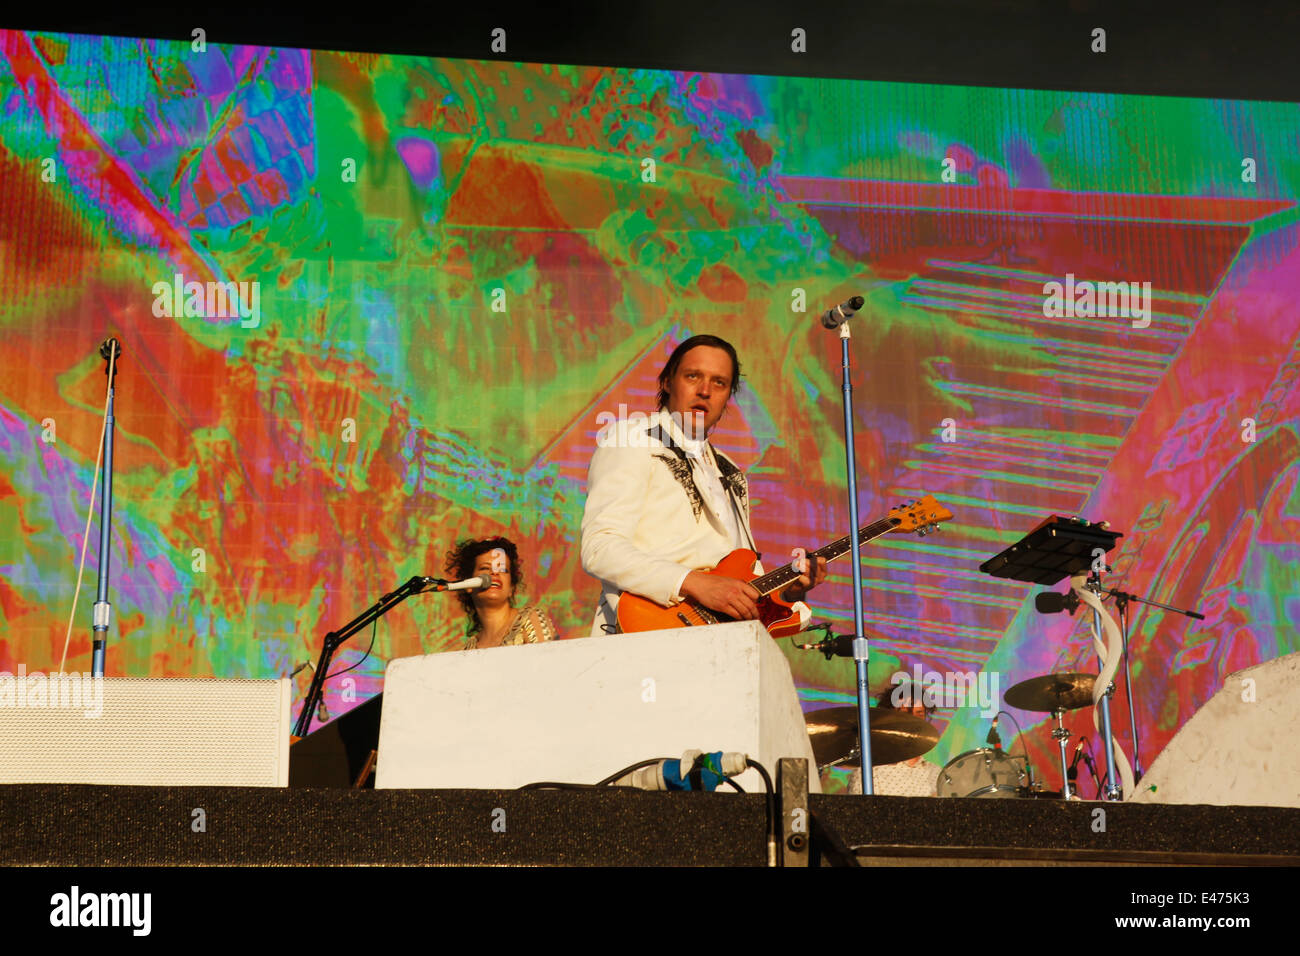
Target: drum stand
{"type": "Point", "coordinates": [1061, 735]}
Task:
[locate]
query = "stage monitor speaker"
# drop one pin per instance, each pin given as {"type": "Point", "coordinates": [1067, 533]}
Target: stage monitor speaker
{"type": "Point", "coordinates": [336, 754]}
{"type": "Point", "coordinates": [1238, 749]}
{"type": "Point", "coordinates": [576, 711]}
{"type": "Point", "coordinates": [144, 731]}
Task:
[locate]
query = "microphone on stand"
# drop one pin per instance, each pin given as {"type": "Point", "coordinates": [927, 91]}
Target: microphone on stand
{"type": "Point", "coordinates": [993, 740]}
{"type": "Point", "coordinates": [1072, 773]}
{"type": "Point", "coordinates": [1092, 768]}
{"type": "Point", "coordinates": [481, 583]}
{"type": "Point", "coordinates": [1052, 602]}
{"type": "Point", "coordinates": [834, 318]}
{"type": "Point", "coordinates": [832, 645]}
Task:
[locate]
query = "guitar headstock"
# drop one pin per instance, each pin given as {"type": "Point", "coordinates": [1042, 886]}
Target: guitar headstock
{"type": "Point", "coordinates": [922, 516]}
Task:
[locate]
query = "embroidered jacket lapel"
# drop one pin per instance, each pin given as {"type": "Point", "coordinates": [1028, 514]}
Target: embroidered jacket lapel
{"type": "Point", "coordinates": [733, 479]}
{"type": "Point", "coordinates": [674, 457]}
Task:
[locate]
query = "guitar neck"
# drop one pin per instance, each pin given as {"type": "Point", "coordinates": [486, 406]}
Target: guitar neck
{"type": "Point", "coordinates": [777, 580]}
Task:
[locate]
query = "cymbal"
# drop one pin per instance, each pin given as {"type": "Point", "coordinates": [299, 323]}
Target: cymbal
{"type": "Point", "coordinates": [895, 736]}
{"type": "Point", "coordinates": [1052, 692]}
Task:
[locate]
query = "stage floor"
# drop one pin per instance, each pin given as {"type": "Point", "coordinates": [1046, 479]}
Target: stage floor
{"type": "Point", "coordinates": [81, 825]}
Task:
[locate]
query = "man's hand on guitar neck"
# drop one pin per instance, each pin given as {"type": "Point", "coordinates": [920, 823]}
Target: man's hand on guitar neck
{"type": "Point", "coordinates": [717, 592]}
{"type": "Point", "coordinates": [798, 589]}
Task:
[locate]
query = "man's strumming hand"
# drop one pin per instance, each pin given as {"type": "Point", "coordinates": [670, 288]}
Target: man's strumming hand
{"type": "Point", "coordinates": [717, 592]}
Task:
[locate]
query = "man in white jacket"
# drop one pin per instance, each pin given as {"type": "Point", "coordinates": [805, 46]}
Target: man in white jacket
{"type": "Point", "coordinates": [663, 504]}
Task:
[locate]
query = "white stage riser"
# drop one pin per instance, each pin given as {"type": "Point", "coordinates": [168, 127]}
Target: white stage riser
{"type": "Point", "coordinates": [576, 711]}
{"type": "Point", "coordinates": [1239, 748]}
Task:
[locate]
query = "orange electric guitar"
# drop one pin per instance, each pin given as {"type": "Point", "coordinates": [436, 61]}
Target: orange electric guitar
{"type": "Point", "coordinates": [636, 613]}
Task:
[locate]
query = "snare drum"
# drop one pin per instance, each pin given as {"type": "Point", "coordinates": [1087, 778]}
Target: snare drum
{"type": "Point", "coordinates": [982, 773]}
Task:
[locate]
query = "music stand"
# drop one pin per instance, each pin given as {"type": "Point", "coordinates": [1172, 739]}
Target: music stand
{"type": "Point", "coordinates": [1058, 548]}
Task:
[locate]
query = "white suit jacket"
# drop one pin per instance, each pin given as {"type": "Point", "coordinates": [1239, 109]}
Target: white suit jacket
{"type": "Point", "coordinates": [647, 523]}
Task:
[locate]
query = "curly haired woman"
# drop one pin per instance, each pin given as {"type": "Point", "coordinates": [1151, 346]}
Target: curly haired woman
{"type": "Point", "coordinates": [494, 621]}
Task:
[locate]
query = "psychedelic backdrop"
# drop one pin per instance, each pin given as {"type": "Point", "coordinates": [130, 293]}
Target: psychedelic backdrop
{"type": "Point", "coordinates": [460, 265]}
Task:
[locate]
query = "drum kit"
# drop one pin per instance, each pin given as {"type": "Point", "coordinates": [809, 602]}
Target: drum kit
{"type": "Point", "coordinates": [987, 772]}
{"type": "Point", "coordinates": [1059, 547]}
{"type": "Point", "coordinates": [895, 736]}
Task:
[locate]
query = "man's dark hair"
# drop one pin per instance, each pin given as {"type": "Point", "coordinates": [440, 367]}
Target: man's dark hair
{"type": "Point", "coordinates": [460, 565]}
{"type": "Point", "coordinates": [909, 690]}
{"type": "Point", "coordinates": [675, 361]}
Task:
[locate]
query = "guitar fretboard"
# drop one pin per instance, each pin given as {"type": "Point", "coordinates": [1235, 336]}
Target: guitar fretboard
{"type": "Point", "coordinates": [777, 580]}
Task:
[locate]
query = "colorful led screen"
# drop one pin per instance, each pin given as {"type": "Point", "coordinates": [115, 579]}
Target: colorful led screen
{"type": "Point", "coordinates": [372, 304]}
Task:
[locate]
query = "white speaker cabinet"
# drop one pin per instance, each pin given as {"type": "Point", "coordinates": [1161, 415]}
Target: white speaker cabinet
{"type": "Point", "coordinates": [144, 731]}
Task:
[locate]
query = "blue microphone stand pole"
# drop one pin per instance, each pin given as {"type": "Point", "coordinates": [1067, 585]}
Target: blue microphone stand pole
{"type": "Point", "coordinates": [111, 351]}
{"type": "Point", "coordinates": [860, 649]}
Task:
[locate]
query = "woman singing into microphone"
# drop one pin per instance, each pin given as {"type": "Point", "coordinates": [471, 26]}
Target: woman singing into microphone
{"type": "Point", "coordinates": [494, 621]}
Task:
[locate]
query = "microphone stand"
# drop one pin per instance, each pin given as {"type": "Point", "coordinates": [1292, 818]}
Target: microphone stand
{"type": "Point", "coordinates": [110, 350]}
{"type": "Point", "coordinates": [860, 648]}
{"type": "Point", "coordinates": [334, 640]}
{"type": "Point", "coordinates": [1113, 788]}
{"type": "Point", "coordinates": [1122, 599]}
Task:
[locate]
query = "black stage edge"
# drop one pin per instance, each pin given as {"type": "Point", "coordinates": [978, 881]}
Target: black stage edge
{"type": "Point", "coordinates": [76, 825]}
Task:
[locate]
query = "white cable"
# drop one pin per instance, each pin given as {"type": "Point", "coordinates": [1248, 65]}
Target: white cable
{"type": "Point", "coordinates": [90, 513]}
{"type": "Point", "coordinates": [1110, 655]}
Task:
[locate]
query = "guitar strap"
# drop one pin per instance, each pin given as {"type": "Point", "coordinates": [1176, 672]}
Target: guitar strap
{"type": "Point", "coordinates": [730, 481]}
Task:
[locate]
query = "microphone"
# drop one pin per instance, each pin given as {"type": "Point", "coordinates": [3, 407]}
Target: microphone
{"type": "Point", "coordinates": [993, 739]}
{"type": "Point", "coordinates": [836, 645]}
{"type": "Point", "coordinates": [1073, 773]}
{"type": "Point", "coordinates": [834, 318]}
{"type": "Point", "coordinates": [481, 583]}
{"type": "Point", "coordinates": [1092, 768]}
{"type": "Point", "coordinates": [1052, 602]}
{"type": "Point", "coordinates": [832, 645]}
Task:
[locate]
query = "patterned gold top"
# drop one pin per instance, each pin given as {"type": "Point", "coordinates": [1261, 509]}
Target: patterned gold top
{"type": "Point", "coordinates": [531, 625]}
{"type": "Point", "coordinates": [911, 778]}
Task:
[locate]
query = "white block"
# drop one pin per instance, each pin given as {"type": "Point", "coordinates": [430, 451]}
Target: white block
{"type": "Point", "coordinates": [148, 732]}
{"type": "Point", "coordinates": [576, 711]}
{"type": "Point", "coordinates": [1239, 749]}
